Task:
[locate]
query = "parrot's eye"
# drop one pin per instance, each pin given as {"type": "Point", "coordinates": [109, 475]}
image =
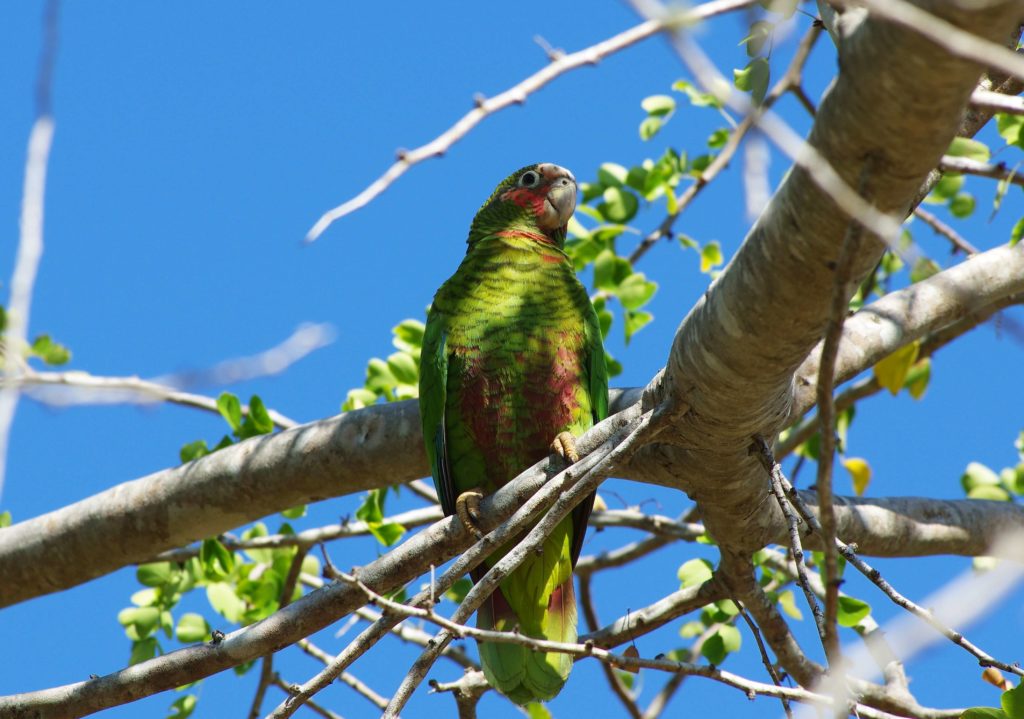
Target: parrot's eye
{"type": "Point", "coordinates": [528, 179]}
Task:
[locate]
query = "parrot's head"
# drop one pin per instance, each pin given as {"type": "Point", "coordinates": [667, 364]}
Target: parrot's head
{"type": "Point", "coordinates": [533, 200]}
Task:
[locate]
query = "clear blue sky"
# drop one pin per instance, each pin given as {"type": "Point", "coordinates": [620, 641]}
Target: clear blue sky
{"type": "Point", "coordinates": [196, 144]}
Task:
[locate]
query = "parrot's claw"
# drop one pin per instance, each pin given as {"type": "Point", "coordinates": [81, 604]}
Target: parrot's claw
{"type": "Point", "coordinates": [565, 447]}
{"type": "Point", "coordinates": [467, 508]}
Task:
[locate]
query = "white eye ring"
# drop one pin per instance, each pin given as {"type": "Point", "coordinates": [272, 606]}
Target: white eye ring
{"type": "Point", "coordinates": [528, 179]}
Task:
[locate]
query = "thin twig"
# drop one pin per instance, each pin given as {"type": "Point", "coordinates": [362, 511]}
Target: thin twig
{"type": "Point", "coordinates": [516, 96]}
{"type": "Point", "coordinates": [30, 242]}
{"type": "Point", "coordinates": [995, 170]}
{"type": "Point", "coordinates": [626, 421]}
{"type": "Point", "coordinates": [308, 537]}
{"type": "Point", "coordinates": [285, 598]}
{"type": "Point", "coordinates": [751, 688]}
{"type": "Point", "coordinates": [959, 243]}
{"type": "Point", "coordinates": [838, 310]}
{"type": "Point", "coordinates": [614, 681]}
{"type": "Point", "coordinates": [130, 389]}
{"type": "Point", "coordinates": [850, 554]}
{"type": "Point", "coordinates": [789, 81]}
{"type": "Point", "coordinates": [997, 102]}
{"type": "Point", "coordinates": [289, 688]}
{"type": "Point", "coordinates": [645, 427]}
{"type": "Point", "coordinates": [764, 656]}
{"type": "Point", "coordinates": [764, 454]}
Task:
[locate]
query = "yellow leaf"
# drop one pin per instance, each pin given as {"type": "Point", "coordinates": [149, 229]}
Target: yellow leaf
{"type": "Point", "coordinates": [788, 603]}
{"type": "Point", "coordinates": [891, 372]}
{"type": "Point", "coordinates": [599, 504]}
{"type": "Point", "coordinates": [860, 472]}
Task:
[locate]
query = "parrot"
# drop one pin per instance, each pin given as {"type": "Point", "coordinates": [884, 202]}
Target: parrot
{"type": "Point", "coordinates": [512, 368]}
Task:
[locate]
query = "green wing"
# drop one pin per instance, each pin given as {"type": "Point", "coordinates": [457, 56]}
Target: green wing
{"type": "Point", "coordinates": [433, 392]}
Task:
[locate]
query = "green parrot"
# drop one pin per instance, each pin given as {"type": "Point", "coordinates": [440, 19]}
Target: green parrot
{"type": "Point", "coordinates": [512, 367]}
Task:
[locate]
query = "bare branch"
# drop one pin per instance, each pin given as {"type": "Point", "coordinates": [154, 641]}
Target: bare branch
{"type": "Point", "coordinates": [997, 102]}
{"type": "Point", "coordinates": [93, 389]}
{"type": "Point", "coordinates": [959, 243]}
{"type": "Point", "coordinates": [995, 170]}
{"type": "Point", "coordinates": [30, 242]}
{"type": "Point", "coordinates": [515, 96]}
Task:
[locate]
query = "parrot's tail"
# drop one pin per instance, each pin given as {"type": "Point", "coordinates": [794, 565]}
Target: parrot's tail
{"type": "Point", "coordinates": [521, 674]}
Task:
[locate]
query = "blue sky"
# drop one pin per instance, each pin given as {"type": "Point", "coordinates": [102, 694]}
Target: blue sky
{"type": "Point", "coordinates": [194, 147]}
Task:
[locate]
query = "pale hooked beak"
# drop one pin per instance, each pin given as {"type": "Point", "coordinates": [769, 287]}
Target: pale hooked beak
{"type": "Point", "coordinates": [561, 197]}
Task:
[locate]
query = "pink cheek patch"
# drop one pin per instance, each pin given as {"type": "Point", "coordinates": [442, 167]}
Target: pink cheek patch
{"type": "Point", "coordinates": [524, 197]}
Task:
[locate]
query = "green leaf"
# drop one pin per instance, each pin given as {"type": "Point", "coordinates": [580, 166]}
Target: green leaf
{"type": "Point", "coordinates": [191, 628]}
{"type": "Point", "coordinates": [5, 519]}
{"type": "Point", "coordinates": [1012, 702]}
{"type": "Point", "coordinates": [142, 650]}
{"type": "Point", "coordinates": [619, 205]}
{"type": "Point", "coordinates": [388, 533]}
{"type": "Point", "coordinates": [611, 174]}
{"type": "Point", "coordinates": [659, 105]}
{"type": "Point", "coordinates": [691, 629]}
{"type": "Point", "coordinates": [145, 597]}
{"type": "Point", "coordinates": [217, 561]}
{"type": "Point", "coordinates": [946, 188]}
{"type": "Point", "coordinates": [983, 713]}
{"type": "Point", "coordinates": [710, 256]}
{"type": "Point", "coordinates": [787, 600]}
{"type": "Point", "coordinates": [695, 96]}
{"type": "Point", "coordinates": [1017, 232]}
{"type": "Point", "coordinates": [851, 611]}
{"type": "Point", "coordinates": [636, 320]}
{"type": "Point", "coordinates": [404, 368]}
{"type": "Point", "coordinates": [924, 268]}
{"type": "Point", "coordinates": [718, 138]}
{"type": "Point", "coordinates": [760, 31]}
{"type": "Point", "coordinates": [994, 494]}
{"type": "Point", "coordinates": [371, 510]}
{"type": "Point", "coordinates": [193, 451]}
{"type": "Point", "coordinates": [408, 335]}
{"type": "Point", "coordinates": [378, 376]}
{"type": "Point", "coordinates": [295, 512]}
{"type": "Point", "coordinates": [753, 79]}
{"type": "Point", "coordinates": [650, 126]}
{"type": "Point", "coordinates": [971, 149]}
{"type": "Point", "coordinates": [694, 572]}
{"type": "Point", "coordinates": [49, 351]}
{"type": "Point", "coordinates": [1011, 128]}
{"type": "Point", "coordinates": [230, 409]}
{"type": "Point", "coordinates": [918, 377]}
{"type": "Point", "coordinates": [224, 601]}
{"type": "Point", "coordinates": [258, 415]}
{"type": "Point", "coordinates": [156, 574]}
{"type": "Point", "coordinates": [723, 642]}
{"type": "Point", "coordinates": [962, 205]}
{"type": "Point", "coordinates": [458, 591]}
{"type": "Point", "coordinates": [358, 398]}
{"type": "Point", "coordinates": [635, 291]}
{"type": "Point", "coordinates": [612, 365]}
{"type": "Point", "coordinates": [183, 707]}
{"type": "Point", "coordinates": [536, 710]}
{"type": "Point", "coordinates": [610, 270]}
{"type": "Point", "coordinates": [978, 475]}
{"type": "Point", "coordinates": [144, 620]}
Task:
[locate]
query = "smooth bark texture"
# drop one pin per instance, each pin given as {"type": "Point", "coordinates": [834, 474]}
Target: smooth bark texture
{"type": "Point", "coordinates": [884, 124]}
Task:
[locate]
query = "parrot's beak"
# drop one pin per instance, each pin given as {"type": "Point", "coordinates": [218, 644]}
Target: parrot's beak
{"type": "Point", "coordinates": [561, 197]}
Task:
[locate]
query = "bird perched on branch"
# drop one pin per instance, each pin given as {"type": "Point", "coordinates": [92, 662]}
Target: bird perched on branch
{"type": "Point", "coordinates": [513, 368]}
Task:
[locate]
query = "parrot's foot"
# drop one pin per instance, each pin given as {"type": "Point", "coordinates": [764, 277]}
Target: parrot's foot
{"type": "Point", "coordinates": [467, 508]}
{"type": "Point", "coordinates": [565, 446]}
